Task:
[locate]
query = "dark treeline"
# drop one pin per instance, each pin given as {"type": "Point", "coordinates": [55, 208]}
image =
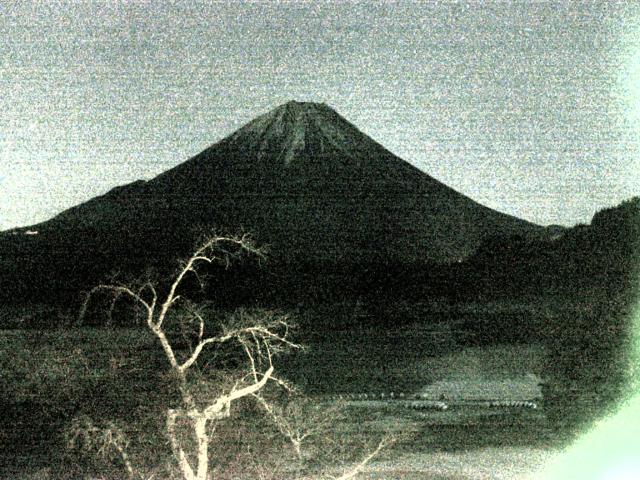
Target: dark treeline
{"type": "Point", "coordinates": [55, 268]}
{"type": "Point", "coordinates": [602, 255]}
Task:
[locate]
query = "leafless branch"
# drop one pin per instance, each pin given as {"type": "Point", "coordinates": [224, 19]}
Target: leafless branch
{"type": "Point", "coordinates": [355, 470]}
{"type": "Point", "coordinates": [247, 351]}
{"type": "Point", "coordinates": [222, 403]}
{"type": "Point", "coordinates": [117, 291]}
{"type": "Point", "coordinates": [104, 440]}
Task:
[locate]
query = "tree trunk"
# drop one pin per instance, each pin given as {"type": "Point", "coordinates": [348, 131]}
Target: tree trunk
{"type": "Point", "coordinates": [200, 426]}
{"type": "Point", "coordinates": [178, 452]}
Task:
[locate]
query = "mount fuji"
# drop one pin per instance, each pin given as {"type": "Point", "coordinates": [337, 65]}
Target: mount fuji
{"type": "Point", "coordinates": [300, 178]}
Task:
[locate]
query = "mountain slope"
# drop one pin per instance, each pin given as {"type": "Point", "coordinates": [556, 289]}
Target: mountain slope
{"type": "Point", "coordinates": [301, 179]}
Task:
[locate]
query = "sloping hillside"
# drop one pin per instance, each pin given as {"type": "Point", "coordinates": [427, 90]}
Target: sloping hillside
{"type": "Point", "coordinates": [299, 178]}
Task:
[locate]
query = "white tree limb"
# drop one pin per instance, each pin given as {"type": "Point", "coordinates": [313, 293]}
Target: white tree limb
{"type": "Point", "coordinates": [221, 405]}
{"type": "Point", "coordinates": [355, 470]}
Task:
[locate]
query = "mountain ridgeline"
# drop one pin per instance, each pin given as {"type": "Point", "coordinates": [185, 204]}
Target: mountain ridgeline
{"type": "Point", "coordinates": [603, 256]}
{"type": "Point", "coordinates": [302, 180]}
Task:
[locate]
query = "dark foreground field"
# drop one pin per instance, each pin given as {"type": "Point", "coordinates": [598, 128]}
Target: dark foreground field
{"type": "Point", "coordinates": [50, 377]}
{"type": "Point", "coordinates": [550, 351]}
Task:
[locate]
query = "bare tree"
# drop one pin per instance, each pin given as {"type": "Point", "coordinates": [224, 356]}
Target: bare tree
{"type": "Point", "coordinates": [259, 337]}
{"type": "Point", "coordinates": [107, 441]}
{"type": "Point", "coordinates": [302, 421]}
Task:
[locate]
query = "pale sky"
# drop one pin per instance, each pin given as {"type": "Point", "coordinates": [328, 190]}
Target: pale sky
{"type": "Point", "coordinates": [529, 108]}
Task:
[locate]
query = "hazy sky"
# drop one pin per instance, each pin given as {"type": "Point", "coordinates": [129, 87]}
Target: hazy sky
{"type": "Point", "coordinates": [530, 108]}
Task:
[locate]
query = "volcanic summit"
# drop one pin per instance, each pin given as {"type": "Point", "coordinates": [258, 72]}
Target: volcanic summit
{"type": "Point", "coordinates": [300, 179]}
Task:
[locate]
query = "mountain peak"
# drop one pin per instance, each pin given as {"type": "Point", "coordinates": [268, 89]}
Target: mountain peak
{"type": "Point", "coordinates": [295, 108]}
{"type": "Point", "coordinates": [289, 128]}
{"type": "Point", "coordinates": [294, 111]}
{"type": "Point", "coordinates": [296, 105]}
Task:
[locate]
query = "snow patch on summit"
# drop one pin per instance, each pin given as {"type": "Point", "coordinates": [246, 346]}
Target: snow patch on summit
{"type": "Point", "coordinates": [296, 140]}
{"type": "Point", "coordinates": [335, 137]}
